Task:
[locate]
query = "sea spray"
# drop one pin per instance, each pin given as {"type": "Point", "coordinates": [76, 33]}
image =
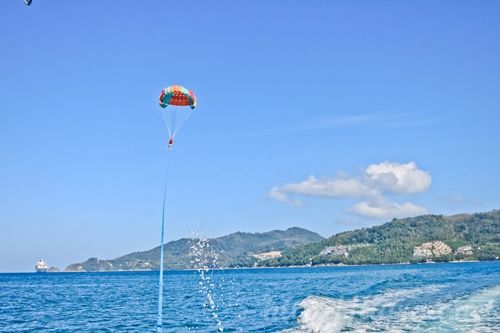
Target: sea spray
{"type": "Point", "coordinates": [205, 258]}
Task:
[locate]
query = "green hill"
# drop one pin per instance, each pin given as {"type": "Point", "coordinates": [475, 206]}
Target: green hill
{"type": "Point", "coordinates": [233, 250]}
{"type": "Point", "coordinates": [410, 240]}
{"type": "Point", "coordinates": [416, 239]}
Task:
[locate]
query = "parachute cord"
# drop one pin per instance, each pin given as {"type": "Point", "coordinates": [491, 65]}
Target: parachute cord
{"type": "Point", "coordinates": [159, 322]}
{"type": "Point", "coordinates": [173, 121]}
{"type": "Point", "coordinates": [182, 123]}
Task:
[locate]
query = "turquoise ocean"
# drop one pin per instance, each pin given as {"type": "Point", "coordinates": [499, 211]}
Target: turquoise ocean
{"type": "Point", "coordinates": [451, 297]}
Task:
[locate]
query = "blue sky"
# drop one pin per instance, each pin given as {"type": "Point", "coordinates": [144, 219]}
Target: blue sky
{"type": "Point", "coordinates": [286, 90]}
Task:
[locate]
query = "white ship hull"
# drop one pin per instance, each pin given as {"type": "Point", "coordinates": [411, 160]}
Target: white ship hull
{"type": "Point", "coordinates": [41, 267]}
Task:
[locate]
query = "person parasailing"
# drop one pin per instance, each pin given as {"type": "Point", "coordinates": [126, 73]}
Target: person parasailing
{"type": "Point", "coordinates": [177, 103]}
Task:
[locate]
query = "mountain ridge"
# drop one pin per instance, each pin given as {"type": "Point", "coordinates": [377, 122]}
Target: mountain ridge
{"type": "Point", "coordinates": [424, 238]}
{"type": "Point", "coordinates": [234, 249]}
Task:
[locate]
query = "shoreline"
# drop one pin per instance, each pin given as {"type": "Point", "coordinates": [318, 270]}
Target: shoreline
{"type": "Point", "coordinates": [261, 267]}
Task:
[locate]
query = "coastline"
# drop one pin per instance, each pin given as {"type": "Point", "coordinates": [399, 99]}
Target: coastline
{"type": "Point", "coordinates": [264, 268]}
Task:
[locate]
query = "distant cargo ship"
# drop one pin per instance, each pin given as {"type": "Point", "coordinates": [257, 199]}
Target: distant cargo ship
{"type": "Point", "coordinates": [41, 266]}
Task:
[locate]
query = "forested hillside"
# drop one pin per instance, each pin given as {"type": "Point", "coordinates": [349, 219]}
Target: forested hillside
{"type": "Point", "coordinates": [416, 239]}
{"type": "Point", "coordinates": [410, 240]}
{"type": "Point", "coordinates": [235, 249]}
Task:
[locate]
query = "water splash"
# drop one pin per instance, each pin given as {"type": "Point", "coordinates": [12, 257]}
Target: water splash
{"type": "Point", "coordinates": [205, 258]}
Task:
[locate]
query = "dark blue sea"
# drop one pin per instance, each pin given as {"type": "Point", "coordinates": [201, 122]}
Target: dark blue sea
{"type": "Point", "coordinates": [454, 297]}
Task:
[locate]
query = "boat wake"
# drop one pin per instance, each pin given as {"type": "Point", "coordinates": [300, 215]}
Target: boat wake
{"type": "Point", "coordinates": [401, 311]}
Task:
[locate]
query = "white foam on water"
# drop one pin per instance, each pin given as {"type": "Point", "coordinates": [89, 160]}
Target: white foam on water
{"type": "Point", "coordinates": [476, 313]}
{"type": "Point", "coordinates": [321, 315]}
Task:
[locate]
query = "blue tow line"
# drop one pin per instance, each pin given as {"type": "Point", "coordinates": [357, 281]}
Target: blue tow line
{"type": "Point", "coordinates": [159, 323]}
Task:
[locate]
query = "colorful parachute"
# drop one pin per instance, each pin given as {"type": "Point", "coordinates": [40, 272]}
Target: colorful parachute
{"type": "Point", "coordinates": [177, 104]}
{"type": "Point", "coordinates": [178, 96]}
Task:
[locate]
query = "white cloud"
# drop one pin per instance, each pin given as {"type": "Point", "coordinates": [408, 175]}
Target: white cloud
{"type": "Point", "coordinates": [327, 187]}
{"type": "Point", "coordinates": [376, 180]}
{"type": "Point", "coordinates": [384, 209]}
{"type": "Point", "coordinates": [398, 178]}
{"type": "Point", "coordinates": [278, 195]}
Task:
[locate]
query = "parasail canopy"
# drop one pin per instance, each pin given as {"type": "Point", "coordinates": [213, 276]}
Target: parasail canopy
{"type": "Point", "coordinates": [178, 96]}
{"type": "Point", "coordinates": [176, 103]}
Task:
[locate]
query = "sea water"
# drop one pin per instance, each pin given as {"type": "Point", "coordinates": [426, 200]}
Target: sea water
{"type": "Point", "coordinates": [454, 297]}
